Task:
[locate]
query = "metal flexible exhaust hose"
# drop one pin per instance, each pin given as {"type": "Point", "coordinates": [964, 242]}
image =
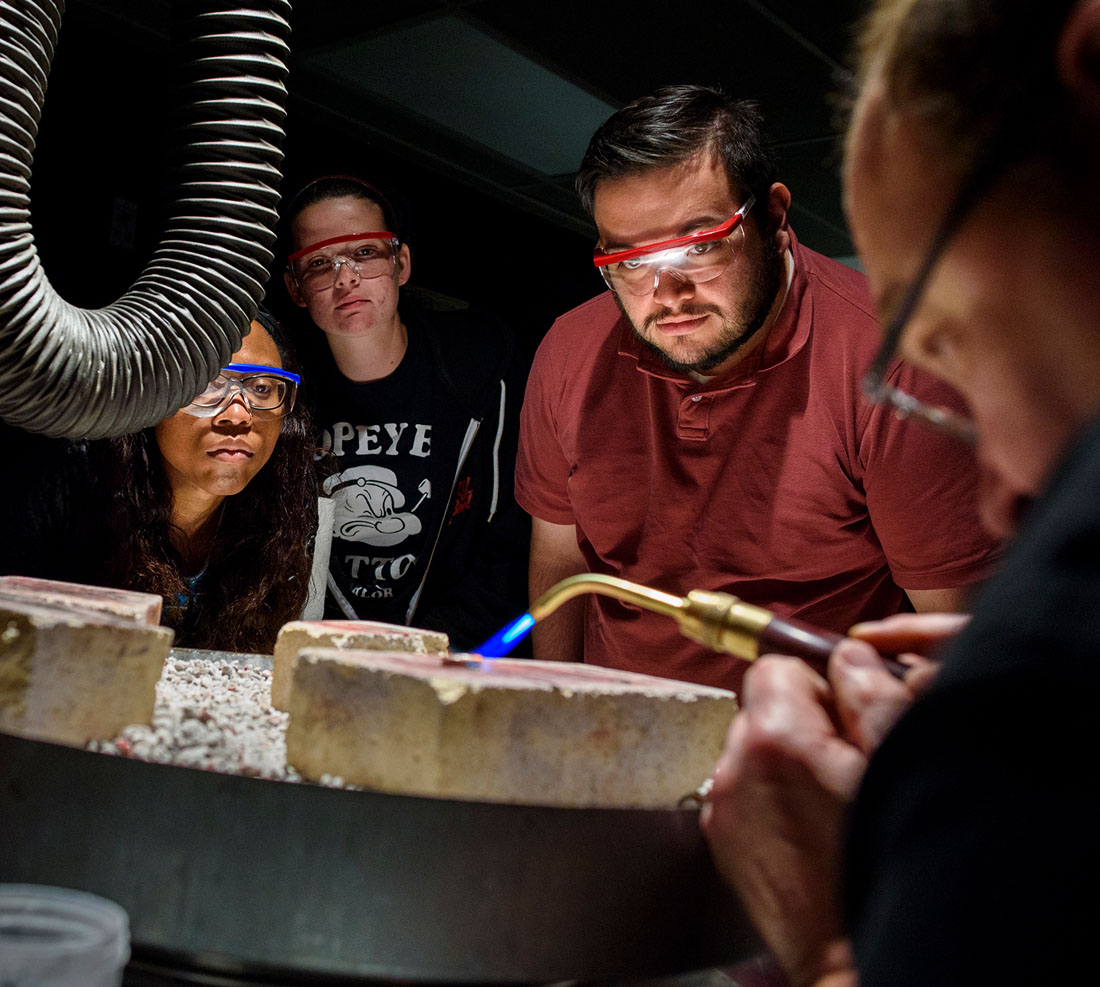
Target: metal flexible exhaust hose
{"type": "Point", "coordinates": [92, 373]}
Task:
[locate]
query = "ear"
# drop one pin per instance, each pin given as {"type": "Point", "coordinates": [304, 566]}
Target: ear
{"type": "Point", "coordinates": [293, 290]}
{"type": "Point", "coordinates": [1078, 55]}
{"type": "Point", "coordinates": [404, 264]}
{"type": "Point", "coordinates": [779, 204]}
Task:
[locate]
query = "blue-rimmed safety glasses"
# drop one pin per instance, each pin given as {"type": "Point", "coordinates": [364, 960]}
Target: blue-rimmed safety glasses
{"type": "Point", "coordinates": [697, 257]}
{"type": "Point", "coordinates": [268, 392]}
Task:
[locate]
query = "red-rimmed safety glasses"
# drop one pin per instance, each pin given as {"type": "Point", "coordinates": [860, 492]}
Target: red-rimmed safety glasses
{"type": "Point", "coordinates": [268, 392]}
{"type": "Point", "coordinates": [367, 255]}
{"type": "Point", "coordinates": [697, 257]}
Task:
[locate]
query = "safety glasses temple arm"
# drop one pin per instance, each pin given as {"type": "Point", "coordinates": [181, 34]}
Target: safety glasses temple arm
{"type": "Point", "coordinates": [258, 368]}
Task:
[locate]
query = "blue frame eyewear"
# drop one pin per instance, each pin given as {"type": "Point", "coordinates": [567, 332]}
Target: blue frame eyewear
{"type": "Point", "coordinates": [268, 392]}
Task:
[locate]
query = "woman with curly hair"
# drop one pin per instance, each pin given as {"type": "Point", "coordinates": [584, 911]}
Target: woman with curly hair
{"type": "Point", "coordinates": [215, 508]}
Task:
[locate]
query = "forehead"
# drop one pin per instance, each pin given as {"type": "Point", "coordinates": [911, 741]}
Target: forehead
{"type": "Point", "coordinates": [897, 190]}
{"type": "Point", "coordinates": [661, 203]}
{"type": "Point", "coordinates": [258, 347]}
{"type": "Point", "coordinates": [336, 217]}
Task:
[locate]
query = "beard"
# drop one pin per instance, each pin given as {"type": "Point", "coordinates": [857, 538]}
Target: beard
{"type": "Point", "coordinates": [738, 326]}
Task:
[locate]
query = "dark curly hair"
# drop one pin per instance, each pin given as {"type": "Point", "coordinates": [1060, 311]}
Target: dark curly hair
{"type": "Point", "coordinates": [257, 575]}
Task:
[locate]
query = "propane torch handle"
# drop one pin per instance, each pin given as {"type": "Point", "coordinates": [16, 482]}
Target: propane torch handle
{"type": "Point", "coordinates": [792, 637]}
{"type": "Point", "coordinates": [725, 623]}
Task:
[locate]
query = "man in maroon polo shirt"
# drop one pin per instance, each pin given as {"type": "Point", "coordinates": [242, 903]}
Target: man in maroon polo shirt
{"type": "Point", "coordinates": [700, 426]}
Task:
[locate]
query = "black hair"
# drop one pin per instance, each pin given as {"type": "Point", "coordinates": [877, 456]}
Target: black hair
{"type": "Point", "coordinates": [337, 187]}
{"type": "Point", "coordinates": [279, 337]}
{"type": "Point", "coordinates": [671, 126]}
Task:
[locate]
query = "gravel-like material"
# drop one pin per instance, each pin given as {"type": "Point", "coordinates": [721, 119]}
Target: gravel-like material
{"type": "Point", "coordinates": [215, 715]}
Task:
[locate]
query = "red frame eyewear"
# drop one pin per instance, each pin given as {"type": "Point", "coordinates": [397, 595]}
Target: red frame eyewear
{"type": "Point", "coordinates": [383, 235]}
{"type": "Point", "coordinates": [719, 232]}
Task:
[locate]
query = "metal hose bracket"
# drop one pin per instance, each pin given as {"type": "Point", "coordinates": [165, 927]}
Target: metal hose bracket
{"type": "Point", "coordinates": [92, 373]}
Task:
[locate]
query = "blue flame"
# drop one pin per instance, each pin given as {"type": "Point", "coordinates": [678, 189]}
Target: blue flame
{"type": "Point", "coordinates": [503, 641]}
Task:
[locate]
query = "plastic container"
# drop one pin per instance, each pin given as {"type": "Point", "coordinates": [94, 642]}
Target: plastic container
{"type": "Point", "coordinates": [55, 937]}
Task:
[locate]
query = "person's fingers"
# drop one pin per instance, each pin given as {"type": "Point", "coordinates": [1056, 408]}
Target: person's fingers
{"type": "Point", "coordinates": [868, 698]}
{"type": "Point", "coordinates": [777, 809]}
{"type": "Point", "coordinates": [787, 725]}
{"type": "Point", "coordinates": [920, 673]}
{"type": "Point", "coordinates": [781, 680]}
{"type": "Point", "coordinates": [920, 633]}
{"type": "Point", "coordinates": [772, 693]}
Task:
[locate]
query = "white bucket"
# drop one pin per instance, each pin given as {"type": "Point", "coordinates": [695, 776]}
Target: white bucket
{"type": "Point", "coordinates": [55, 937]}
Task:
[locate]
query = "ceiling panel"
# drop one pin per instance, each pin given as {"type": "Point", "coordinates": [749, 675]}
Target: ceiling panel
{"type": "Point", "coordinates": [462, 79]}
{"type": "Point", "coordinates": [529, 83]}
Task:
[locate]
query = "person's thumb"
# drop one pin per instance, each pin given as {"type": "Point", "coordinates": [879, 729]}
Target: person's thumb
{"type": "Point", "coordinates": [868, 698]}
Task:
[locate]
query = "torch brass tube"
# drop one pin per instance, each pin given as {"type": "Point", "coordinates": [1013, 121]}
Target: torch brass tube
{"type": "Point", "coordinates": [620, 589]}
{"type": "Point", "coordinates": [718, 620]}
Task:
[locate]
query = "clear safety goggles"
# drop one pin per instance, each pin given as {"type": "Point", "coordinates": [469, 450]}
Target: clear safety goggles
{"type": "Point", "coordinates": [362, 256]}
{"type": "Point", "coordinates": [697, 257]}
{"type": "Point", "coordinates": [268, 392]}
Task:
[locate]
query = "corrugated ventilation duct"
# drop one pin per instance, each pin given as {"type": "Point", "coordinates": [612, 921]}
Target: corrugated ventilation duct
{"type": "Point", "coordinates": [67, 371]}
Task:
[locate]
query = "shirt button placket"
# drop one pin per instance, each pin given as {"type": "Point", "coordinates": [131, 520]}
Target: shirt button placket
{"type": "Point", "coordinates": [694, 417]}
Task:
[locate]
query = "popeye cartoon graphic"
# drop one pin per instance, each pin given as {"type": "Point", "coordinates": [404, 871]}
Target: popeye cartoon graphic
{"type": "Point", "coordinates": [368, 506]}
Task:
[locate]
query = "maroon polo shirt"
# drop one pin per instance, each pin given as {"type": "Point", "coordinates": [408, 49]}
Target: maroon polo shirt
{"type": "Point", "coordinates": [778, 483]}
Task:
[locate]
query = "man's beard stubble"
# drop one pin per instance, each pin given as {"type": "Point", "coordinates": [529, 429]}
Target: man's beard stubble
{"type": "Point", "coordinates": [736, 332]}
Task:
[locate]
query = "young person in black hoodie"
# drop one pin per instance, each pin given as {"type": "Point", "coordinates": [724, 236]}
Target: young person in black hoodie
{"type": "Point", "coordinates": [419, 413]}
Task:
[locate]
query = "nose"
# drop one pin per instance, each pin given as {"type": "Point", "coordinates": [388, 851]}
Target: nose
{"type": "Point", "coordinates": [670, 286]}
{"type": "Point", "coordinates": [344, 271]}
{"type": "Point", "coordinates": [236, 412]}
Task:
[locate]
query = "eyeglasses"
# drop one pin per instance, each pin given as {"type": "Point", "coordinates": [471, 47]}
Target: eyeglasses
{"type": "Point", "coordinates": [697, 257]}
{"type": "Point", "coordinates": [268, 392]}
{"type": "Point", "coordinates": [366, 256]}
{"type": "Point", "coordinates": [875, 385]}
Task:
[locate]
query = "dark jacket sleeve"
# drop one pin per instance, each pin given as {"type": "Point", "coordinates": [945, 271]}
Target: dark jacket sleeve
{"type": "Point", "coordinates": [478, 581]}
{"type": "Point", "coordinates": [972, 852]}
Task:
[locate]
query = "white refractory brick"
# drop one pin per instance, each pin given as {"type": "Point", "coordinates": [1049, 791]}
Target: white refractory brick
{"type": "Point", "coordinates": [70, 677]}
{"type": "Point", "coordinates": [346, 635]}
{"type": "Point", "coordinates": [141, 608]}
{"type": "Point", "coordinates": [531, 732]}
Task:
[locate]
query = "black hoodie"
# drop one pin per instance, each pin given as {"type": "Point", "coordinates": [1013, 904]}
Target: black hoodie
{"type": "Point", "coordinates": [438, 543]}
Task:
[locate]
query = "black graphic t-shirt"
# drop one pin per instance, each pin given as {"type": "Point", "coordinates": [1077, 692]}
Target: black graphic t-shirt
{"type": "Point", "coordinates": [390, 488]}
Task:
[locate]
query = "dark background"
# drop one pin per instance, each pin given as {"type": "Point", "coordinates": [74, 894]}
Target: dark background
{"type": "Point", "coordinates": [486, 230]}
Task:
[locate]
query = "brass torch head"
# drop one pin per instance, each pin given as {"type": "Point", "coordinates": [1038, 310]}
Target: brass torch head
{"type": "Point", "coordinates": [724, 623]}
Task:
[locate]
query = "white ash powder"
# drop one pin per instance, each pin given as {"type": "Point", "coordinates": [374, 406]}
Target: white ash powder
{"type": "Point", "coordinates": [215, 715]}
